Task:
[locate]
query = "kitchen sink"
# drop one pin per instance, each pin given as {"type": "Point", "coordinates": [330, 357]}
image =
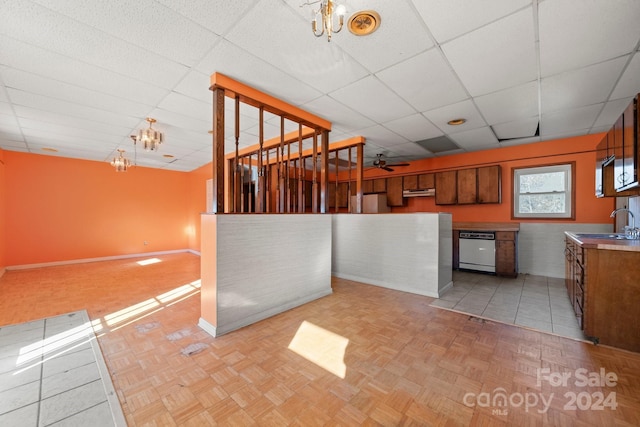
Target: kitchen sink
{"type": "Point", "coordinates": [609, 236]}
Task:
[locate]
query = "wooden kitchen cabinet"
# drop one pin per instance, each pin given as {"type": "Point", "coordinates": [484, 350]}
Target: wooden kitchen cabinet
{"type": "Point", "coordinates": [446, 187]}
{"type": "Point", "coordinates": [410, 182]}
{"type": "Point", "coordinates": [466, 186]}
{"type": "Point", "coordinates": [426, 181]}
{"type": "Point", "coordinates": [506, 253]}
{"type": "Point", "coordinates": [394, 191]}
{"type": "Point", "coordinates": [489, 184]}
{"type": "Point", "coordinates": [604, 290]}
{"type": "Point", "coordinates": [625, 149]}
{"type": "Point", "coordinates": [367, 186]}
{"type": "Point", "coordinates": [379, 185]}
{"type": "Point", "coordinates": [341, 197]}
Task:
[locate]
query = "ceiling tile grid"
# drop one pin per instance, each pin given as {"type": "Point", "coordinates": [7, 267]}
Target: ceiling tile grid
{"type": "Point", "coordinates": [81, 76]}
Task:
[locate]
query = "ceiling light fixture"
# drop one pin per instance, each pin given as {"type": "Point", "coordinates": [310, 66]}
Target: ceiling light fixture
{"type": "Point", "coordinates": [120, 162]}
{"type": "Point", "coordinates": [364, 22]}
{"type": "Point", "coordinates": [150, 138]}
{"type": "Point", "coordinates": [324, 17]}
{"type": "Point", "coordinates": [456, 122]}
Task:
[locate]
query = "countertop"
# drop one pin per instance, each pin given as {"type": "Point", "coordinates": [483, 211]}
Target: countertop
{"type": "Point", "coordinates": [606, 244]}
{"type": "Point", "coordinates": [486, 226]}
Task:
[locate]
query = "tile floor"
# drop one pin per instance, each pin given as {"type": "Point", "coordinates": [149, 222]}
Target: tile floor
{"type": "Point", "coordinates": [535, 302]}
{"type": "Point", "coordinates": [52, 373]}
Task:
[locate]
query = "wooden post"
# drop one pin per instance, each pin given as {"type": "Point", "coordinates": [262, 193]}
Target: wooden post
{"type": "Point", "coordinates": [349, 209]}
{"type": "Point", "coordinates": [281, 172]}
{"type": "Point", "coordinates": [218, 151]}
{"type": "Point", "coordinates": [359, 169]}
{"type": "Point", "coordinates": [324, 171]}
{"type": "Point", "coordinates": [314, 185]}
{"type": "Point", "coordinates": [300, 171]}
{"type": "Point", "coordinates": [260, 180]}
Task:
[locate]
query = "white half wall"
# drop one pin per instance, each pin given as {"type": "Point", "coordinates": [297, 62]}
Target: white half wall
{"type": "Point", "coordinates": [541, 246]}
{"type": "Point", "coordinates": [256, 266]}
{"type": "Point", "coordinates": [406, 252]}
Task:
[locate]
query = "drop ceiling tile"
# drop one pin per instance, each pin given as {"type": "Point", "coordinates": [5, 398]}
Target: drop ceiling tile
{"type": "Point", "coordinates": [401, 35]}
{"type": "Point", "coordinates": [599, 30]}
{"type": "Point", "coordinates": [368, 95]}
{"type": "Point", "coordinates": [217, 16]}
{"type": "Point", "coordinates": [61, 68]}
{"type": "Point", "coordinates": [510, 104]}
{"type": "Point", "coordinates": [291, 45]}
{"type": "Point", "coordinates": [12, 145]}
{"type": "Point", "coordinates": [487, 61]}
{"type": "Point", "coordinates": [569, 122]}
{"type": "Point", "coordinates": [196, 85]}
{"type": "Point", "coordinates": [413, 128]}
{"type": "Point", "coordinates": [629, 83]}
{"type": "Point", "coordinates": [166, 119]}
{"type": "Point", "coordinates": [425, 81]}
{"type": "Point", "coordinates": [21, 98]}
{"type": "Point", "coordinates": [381, 136]}
{"type": "Point", "coordinates": [62, 133]}
{"type": "Point", "coordinates": [345, 118]}
{"type": "Point", "coordinates": [448, 19]}
{"type": "Point", "coordinates": [611, 111]}
{"type": "Point", "coordinates": [410, 150]}
{"type": "Point", "coordinates": [525, 128]}
{"type": "Point", "coordinates": [73, 39]}
{"type": "Point", "coordinates": [178, 103]}
{"type": "Point", "coordinates": [584, 86]}
{"type": "Point", "coordinates": [519, 141]}
{"type": "Point", "coordinates": [29, 82]}
{"type": "Point", "coordinates": [151, 26]}
{"type": "Point", "coordinates": [241, 65]}
{"type": "Point", "coordinates": [474, 139]}
{"type": "Point", "coordinates": [464, 109]}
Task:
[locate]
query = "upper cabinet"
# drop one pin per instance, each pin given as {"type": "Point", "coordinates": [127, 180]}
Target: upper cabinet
{"type": "Point", "coordinates": [467, 186]}
{"type": "Point", "coordinates": [446, 188]}
{"type": "Point", "coordinates": [489, 184]}
{"type": "Point", "coordinates": [618, 157]}
{"type": "Point", "coordinates": [394, 191]}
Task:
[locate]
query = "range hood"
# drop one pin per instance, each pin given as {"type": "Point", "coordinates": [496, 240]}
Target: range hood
{"type": "Point", "coordinates": [429, 192]}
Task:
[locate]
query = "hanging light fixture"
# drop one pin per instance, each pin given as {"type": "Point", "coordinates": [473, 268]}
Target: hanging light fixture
{"type": "Point", "coordinates": [324, 18]}
{"type": "Point", "coordinates": [120, 162]}
{"type": "Point", "coordinates": [150, 138]}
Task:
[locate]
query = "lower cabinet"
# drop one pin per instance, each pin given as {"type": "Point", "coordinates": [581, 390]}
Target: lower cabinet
{"type": "Point", "coordinates": [604, 291]}
{"type": "Point", "coordinates": [506, 254]}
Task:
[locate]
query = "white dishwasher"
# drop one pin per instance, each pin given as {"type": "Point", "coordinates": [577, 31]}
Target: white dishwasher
{"type": "Point", "coordinates": [477, 251]}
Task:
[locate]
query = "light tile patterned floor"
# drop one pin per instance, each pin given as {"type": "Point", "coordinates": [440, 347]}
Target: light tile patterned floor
{"type": "Point", "coordinates": [405, 362]}
{"type": "Point", "coordinates": [537, 302]}
{"type": "Point", "coordinates": [52, 373]}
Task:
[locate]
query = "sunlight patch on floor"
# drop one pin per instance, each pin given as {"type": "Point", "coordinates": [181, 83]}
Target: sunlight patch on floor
{"type": "Point", "coordinates": [322, 347]}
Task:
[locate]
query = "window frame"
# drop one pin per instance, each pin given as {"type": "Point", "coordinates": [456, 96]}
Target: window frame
{"type": "Point", "coordinates": [569, 168]}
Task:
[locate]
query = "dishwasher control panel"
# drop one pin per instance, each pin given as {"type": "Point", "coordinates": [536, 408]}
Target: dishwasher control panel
{"type": "Point", "coordinates": [482, 235]}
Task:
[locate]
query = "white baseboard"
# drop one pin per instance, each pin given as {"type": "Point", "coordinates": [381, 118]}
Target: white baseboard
{"type": "Point", "coordinates": [207, 327]}
{"type": "Point", "coordinates": [85, 260]}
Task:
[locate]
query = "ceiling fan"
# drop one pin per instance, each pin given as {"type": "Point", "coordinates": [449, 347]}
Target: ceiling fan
{"type": "Point", "coordinates": [380, 163]}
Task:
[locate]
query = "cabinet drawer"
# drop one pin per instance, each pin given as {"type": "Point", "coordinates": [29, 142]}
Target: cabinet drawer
{"type": "Point", "coordinates": [505, 235]}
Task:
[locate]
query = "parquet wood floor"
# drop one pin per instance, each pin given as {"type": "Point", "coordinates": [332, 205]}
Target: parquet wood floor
{"type": "Point", "coordinates": [405, 363]}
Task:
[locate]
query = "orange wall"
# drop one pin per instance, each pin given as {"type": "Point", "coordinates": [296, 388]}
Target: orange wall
{"type": "Point", "coordinates": [3, 193]}
{"type": "Point", "coordinates": [197, 201]}
{"type": "Point", "coordinates": [60, 209]}
{"type": "Point", "coordinates": [589, 209]}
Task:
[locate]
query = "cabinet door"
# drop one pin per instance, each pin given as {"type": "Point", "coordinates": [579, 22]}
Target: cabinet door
{"type": "Point", "coordinates": [394, 191]}
{"type": "Point", "coordinates": [467, 186]}
{"type": "Point", "coordinates": [601, 157]}
{"type": "Point", "coordinates": [367, 186]}
{"type": "Point", "coordinates": [446, 188]}
{"type": "Point", "coordinates": [410, 182]}
{"type": "Point", "coordinates": [506, 254]}
{"type": "Point", "coordinates": [489, 184]}
{"type": "Point", "coordinates": [379, 185]}
{"type": "Point", "coordinates": [343, 196]}
{"type": "Point", "coordinates": [629, 176]}
{"type": "Point", "coordinates": [426, 181]}
{"type": "Point", "coordinates": [618, 149]}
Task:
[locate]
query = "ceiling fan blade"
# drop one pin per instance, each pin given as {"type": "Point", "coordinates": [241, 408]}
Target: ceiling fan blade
{"type": "Point", "coordinates": [387, 168]}
{"type": "Point", "coordinates": [399, 164]}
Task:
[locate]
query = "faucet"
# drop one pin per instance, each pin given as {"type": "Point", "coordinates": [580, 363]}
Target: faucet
{"type": "Point", "coordinates": [631, 230]}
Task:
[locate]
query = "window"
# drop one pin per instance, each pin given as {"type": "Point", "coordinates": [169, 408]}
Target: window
{"type": "Point", "coordinates": [543, 192]}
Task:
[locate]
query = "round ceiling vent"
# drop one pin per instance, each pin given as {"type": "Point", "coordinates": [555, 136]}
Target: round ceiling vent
{"type": "Point", "coordinates": [364, 22]}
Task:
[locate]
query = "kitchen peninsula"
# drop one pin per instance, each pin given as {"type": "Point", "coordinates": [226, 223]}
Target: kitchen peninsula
{"type": "Point", "coordinates": [603, 283]}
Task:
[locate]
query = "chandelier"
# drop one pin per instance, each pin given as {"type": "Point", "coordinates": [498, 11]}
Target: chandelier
{"type": "Point", "coordinates": [324, 18]}
{"type": "Point", "coordinates": [120, 162]}
{"type": "Point", "coordinates": [150, 138]}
